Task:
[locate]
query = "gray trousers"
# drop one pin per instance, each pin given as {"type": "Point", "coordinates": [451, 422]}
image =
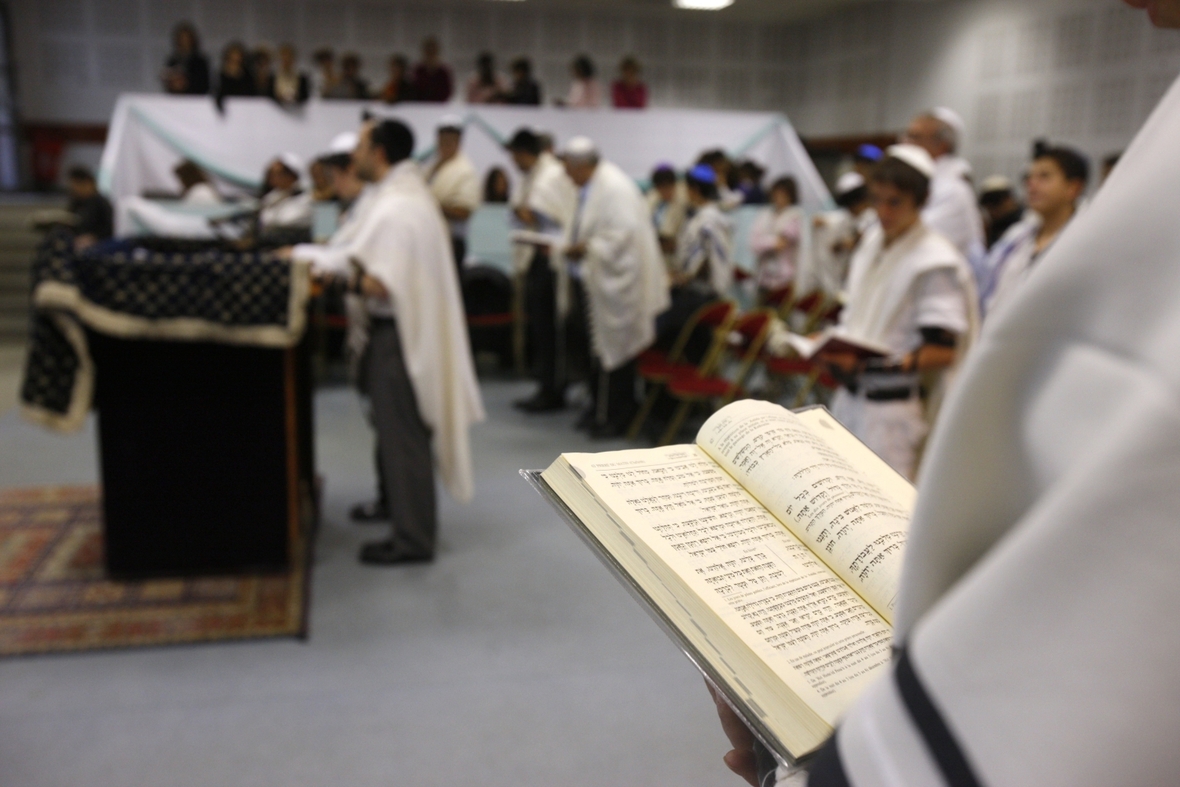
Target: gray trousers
{"type": "Point", "coordinates": [403, 441]}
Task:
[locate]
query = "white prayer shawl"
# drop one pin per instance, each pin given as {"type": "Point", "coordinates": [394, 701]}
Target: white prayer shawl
{"type": "Point", "coordinates": [668, 217]}
{"type": "Point", "coordinates": [201, 194]}
{"type": "Point", "coordinates": [623, 271]}
{"type": "Point", "coordinates": [546, 190]}
{"type": "Point", "coordinates": [402, 241]}
{"type": "Point", "coordinates": [285, 208]}
{"type": "Point", "coordinates": [332, 257]}
{"type": "Point", "coordinates": [952, 211]}
{"type": "Point", "coordinates": [1039, 597]}
{"type": "Point", "coordinates": [882, 278]}
{"type": "Point", "coordinates": [707, 239]}
{"type": "Point", "coordinates": [825, 269]}
{"type": "Point", "coordinates": [455, 184]}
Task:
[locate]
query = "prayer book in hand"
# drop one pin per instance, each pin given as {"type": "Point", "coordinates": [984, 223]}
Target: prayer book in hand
{"type": "Point", "coordinates": [770, 551]}
{"type": "Point", "coordinates": [832, 341]}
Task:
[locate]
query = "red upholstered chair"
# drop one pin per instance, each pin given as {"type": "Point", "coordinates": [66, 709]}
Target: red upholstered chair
{"type": "Point", "coordinates": [693, 388]}
{"type": "Point", "coordinates": [812, 373]}
{"type": "Point", "coordinates": [656, 367]}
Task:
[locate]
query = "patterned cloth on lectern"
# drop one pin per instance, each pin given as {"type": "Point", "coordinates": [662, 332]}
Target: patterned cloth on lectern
{"type": "Point", "coordinates": [123, 280]}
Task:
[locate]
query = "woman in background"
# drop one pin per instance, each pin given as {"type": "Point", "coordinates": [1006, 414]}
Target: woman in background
{"type": "Point", "coordinates": [629, 91]}
{"type": "Point", "coordinates": [398, 87]}
{"type": "Point", "coordinates": [585, 92]}
{"type": "Point", "coordinates": [774, 239]}
{"type": "Point", "coordinates": [485, 85]}
{"type": "Point", "coordinates": [186, 71]}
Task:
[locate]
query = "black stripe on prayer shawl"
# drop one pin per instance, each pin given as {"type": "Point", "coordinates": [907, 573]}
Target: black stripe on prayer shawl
{"type": "Point", "coordinates": [939, 739]}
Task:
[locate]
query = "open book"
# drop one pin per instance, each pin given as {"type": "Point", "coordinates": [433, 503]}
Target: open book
{"type": "Point", "coordinates": [771, 551]}
{"type": "Point", "coordinates": [833, 341]}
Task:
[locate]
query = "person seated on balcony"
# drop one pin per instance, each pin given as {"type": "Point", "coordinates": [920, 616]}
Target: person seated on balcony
{"type": "Point", "coordinates": [629, 91]}
{"type": "Point", "coordinates": [584, 92]}
{"type": "Point", "coordinates": [288, 86]}
{"type": "Point", "coordinates": [485, 86]}
{"type": "Point", "coordinates": [525, 91]}
{"type": "Point", "coordinates": [350, 85]}
{"type": "Point", "coordinates": [186, 72]}
{"type": "Point", "coordinates": [234, 79]}
{"type": "Point", "coordinates": [432, 77]}
{"type": "Point", "coordinates": [398, 87]}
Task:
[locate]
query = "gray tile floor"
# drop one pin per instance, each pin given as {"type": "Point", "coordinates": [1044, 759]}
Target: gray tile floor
{"type": "Point", "coordinates": [515, 659]}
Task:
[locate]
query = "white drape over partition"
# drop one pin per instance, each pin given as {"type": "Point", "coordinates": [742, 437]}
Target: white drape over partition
{"type": "Point", "coordinates": [150, 133]}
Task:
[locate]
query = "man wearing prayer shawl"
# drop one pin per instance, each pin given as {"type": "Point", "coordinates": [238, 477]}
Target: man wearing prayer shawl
{"type": "Point", "coordinates": [909, 290]}
{"type": "Point", "coordinates": [951, 209]}
{"type": "Point", "coordinates": [454, 182]}
{"type": "Point", "coordinates": [417, 367]}
{"type": "Point", "coordinates": [1036, 627]}
{"type": "Point", "coordinates": [543, 203]}
{"type": "Point", "coordinates": [613, 250]}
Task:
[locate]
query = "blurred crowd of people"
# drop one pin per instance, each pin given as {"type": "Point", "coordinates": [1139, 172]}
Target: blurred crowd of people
{"type": "Point", "coordinates": [277, 74]}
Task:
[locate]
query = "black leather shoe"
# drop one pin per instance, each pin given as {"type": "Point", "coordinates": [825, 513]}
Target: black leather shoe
{"type": "Point", "coordinates": [607, 431]}
{"type": "Point", "coordinates": [585, 420]}
{"type": "Point", "coordinates": [542, 403]}
{"type": "Point", "coordinates": [388, 553]}
{"type": "Point", "coordinates": [375, 511]}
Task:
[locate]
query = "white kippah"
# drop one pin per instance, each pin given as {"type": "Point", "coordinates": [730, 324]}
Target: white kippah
{"type": "Point", "coordinates": [849, 181]}
{"type": "Point", "coordinates": [450, 123]}
{"type": "Point", "coordinates": [344, 142]}
{"type": "Point", "coordinates": [951, 118]}
{"type": "Point", "coordinates": [292, 162]}
{"type": "Point", "coordinates": [913, 155]}
{"type": "Point", "coordinates": [580, 148]}
{"type": "Point", "coordinates": [995, 183]}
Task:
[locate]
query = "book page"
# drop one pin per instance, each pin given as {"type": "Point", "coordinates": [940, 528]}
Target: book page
{"type": "Point", "coordinates": [817, 635]}
{"type": "Point", "coordinates": [845, 518]}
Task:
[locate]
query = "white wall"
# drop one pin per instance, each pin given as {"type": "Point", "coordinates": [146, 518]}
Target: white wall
{"type": "Point", "coordinates": [1084, 72]}
{"type": "Point", "coordinates": [1080, 72]}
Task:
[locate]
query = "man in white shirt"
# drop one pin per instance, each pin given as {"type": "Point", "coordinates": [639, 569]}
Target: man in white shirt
{"type": "Point", "coordinates": [951, 210]}
{"type": "Point", "coordinates": [611, 245]}
{"type": "Point", "coordinates": [1036, 624]}
{"type": "Point", "coordinates": [454, 182]}
{"type": "Point", "coordinates": [1056, 181]}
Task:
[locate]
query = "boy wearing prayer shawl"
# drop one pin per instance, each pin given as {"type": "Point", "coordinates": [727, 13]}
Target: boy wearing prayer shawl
{"type": "Point", "coordinates": [284, 204]}
{"type": "Point", "coordinates": [703, 267]}
{"type": "Point", "coordinates": [612, 249]}
{"type": "Point", "coordinates": [1036, 626]}
{"type": "Point", "coordinates": [909, 290]}
{"type": "Point", "coordinates": [1056, 181]}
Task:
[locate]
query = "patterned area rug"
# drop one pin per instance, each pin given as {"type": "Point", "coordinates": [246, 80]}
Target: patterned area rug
{"type": "Point", "coordinates": [54, 595]}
